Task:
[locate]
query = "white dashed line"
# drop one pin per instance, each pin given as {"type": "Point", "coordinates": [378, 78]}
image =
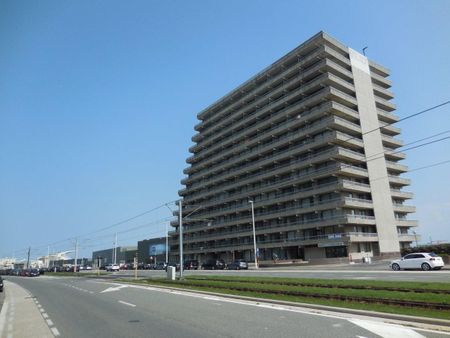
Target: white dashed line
{"type": "Point", "coordinates": [45, 315]}
{"type": "Point", "coordinates": [125, 303]}
{"type": "Point", "coordinates": [55, 331]}
{"type": "Point", "coordinates": [49, 322]}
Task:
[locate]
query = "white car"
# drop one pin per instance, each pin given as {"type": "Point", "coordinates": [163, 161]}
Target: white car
{"type": "Point", "coordinates": [112, 267]}
{"type": "Point", "coordinates": [419, 260]}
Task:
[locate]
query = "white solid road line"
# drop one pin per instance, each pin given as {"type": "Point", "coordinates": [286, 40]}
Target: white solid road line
{"type": "Point", "coordinates": [386, 330]}
{"type": "Point", "coordinates": [125, 303]}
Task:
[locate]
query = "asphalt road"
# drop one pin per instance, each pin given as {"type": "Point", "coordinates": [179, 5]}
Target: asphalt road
{"type": "Point", "coordinates": [80, 307]}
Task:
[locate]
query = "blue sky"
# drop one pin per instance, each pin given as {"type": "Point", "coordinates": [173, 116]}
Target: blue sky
{"type": "Point", "coordinates": [98, 101]}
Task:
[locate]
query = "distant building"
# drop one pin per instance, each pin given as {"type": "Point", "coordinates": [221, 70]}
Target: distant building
{"type": "Point", "coordinates": [310, 141]}
{"type": "Point", "coordinates": [152, 250]}
{"type": "Point", "coordinates": [125, 254]}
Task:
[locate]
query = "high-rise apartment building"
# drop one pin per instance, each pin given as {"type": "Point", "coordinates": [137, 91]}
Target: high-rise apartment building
{"type": "Point", "coordinates": [310, 141]}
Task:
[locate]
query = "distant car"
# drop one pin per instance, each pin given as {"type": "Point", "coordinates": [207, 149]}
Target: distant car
{"type": "Point", "coordinates": [216, 264]}
{"type": "Point", "coordinates": [112, 267]}
{"type": "Point", "coordinates": [33, 273]}
{"type": "Point", "coordinates": [419, 260]}
{"type": "Point", "coordinates": [1, 284]}
{"type": "Point", "coordinates": [160, 266]}
{"type": "Point", "coordinates": [87, 267]}
{"type": "Point", "coordinates": [191, 265]}
{"type": "Point", "coordinates": [238, 264]}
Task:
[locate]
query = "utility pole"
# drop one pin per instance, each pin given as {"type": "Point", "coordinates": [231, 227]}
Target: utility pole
{"type": "Point", "coordinates": [254, 233]}
{"type": "Point", "coordinates": [76, 255]}
{"type": "Point", "coordinates": [28, 259]}
{"type": "Point", "coordinates": [115, 250]}
{"type": "Point", "coordinates": [48, 256]}
{"type": "Point", "coordinates": [167, 245]}
{"type": "Point", "coordinates": [180, 224]}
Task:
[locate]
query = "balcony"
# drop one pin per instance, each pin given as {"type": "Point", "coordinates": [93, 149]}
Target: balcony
{"type": "Point", "coordinates": [397, 180]}
{"type": "Point", "coordinates": [406, 223]}
{"type": "Point", "coordinates": [391, 142]}
{"type": "Point", "coordinates": [404, 208]}
{"type": "Point", "coordinates": [397, 167]}
{"type": "Point", "coordinates": [401, 194]}
{"type": "Point", "coordinates": [387, 117]}
{"type": "Point", "coordinates": [409, 238]}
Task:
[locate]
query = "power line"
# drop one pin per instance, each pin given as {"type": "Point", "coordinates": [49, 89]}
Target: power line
{"type": "Point", "coordinates": [402, 119]}
{"type": "Point", "coordinates": [411, 148]}
{"type": "Point", "coordinates": [391, 152]}
{"type": "Point", "coordinates": [416, 169]}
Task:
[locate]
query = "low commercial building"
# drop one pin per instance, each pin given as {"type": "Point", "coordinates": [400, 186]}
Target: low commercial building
{"type": "Point", "coordinates": [152, 250]}
{"type": "Point", "coordinates": [125, 254]}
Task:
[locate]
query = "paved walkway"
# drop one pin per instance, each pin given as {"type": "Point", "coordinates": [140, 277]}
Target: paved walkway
{"type": "Point", "coordinates": [21, 316]}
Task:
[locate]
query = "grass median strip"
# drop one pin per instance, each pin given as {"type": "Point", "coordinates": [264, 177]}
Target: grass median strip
{"type": "Point", "coordinates": [365, 295]}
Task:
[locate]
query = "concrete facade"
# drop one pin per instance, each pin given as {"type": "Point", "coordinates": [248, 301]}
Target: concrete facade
{"type": "Point", "coordinates": [310, 140]}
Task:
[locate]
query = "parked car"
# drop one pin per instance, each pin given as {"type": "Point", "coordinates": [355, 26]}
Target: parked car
{"type": "Point", "coordinates": [112, 267]}
{"type": "Point", "coordinates": [238, 264]}
{"type": "Point", "coordinates": [191, 265]}
{"type": "Point", "coordinates": [216, 264]}
{"type": "Point", "coordinates": [33, 273]}
{"type": "Point", "coordinates": [419, 260]}
{"type": "Point", "coordinates": [160, 266]}
{"type": "Point", "coordinates": [1, 284]}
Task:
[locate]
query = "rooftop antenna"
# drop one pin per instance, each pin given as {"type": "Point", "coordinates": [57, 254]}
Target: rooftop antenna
{"type": "Point", "coordinates": [364, 50]}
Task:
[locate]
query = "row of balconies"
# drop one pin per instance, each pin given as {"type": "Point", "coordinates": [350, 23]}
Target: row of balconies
{"type": "Point", "coordinates": [267, 199]}
{"type": "Point", "coordinates": [264, 213]}
{"type": "Point", "coordinates": [293, 179]}
{"type": "Point", "coordinates": [277, 157]}
{"type": "Point", "coordinates": [254, 112]}
{"type": "Point", "coordinates": [341, 185]}
{"type": "Point", "coordinates": [277, 129]}
{"type": "Point", "coordinates": [334, 122]}
{"type": "Point", "coordinates": [317, 222]}
{"type": "Point", "coordinates": [300, 240]}
{"type": "Point", "coordinates": [270, 82]}
{"type": "Point", "coordinates": [244, 91]}
{"type": "Point", "coordinates": [222, 183]}
{"type": "Point", "coordinates": [304, 80]}
{"type": "Point", "coordinates": [227, 227]}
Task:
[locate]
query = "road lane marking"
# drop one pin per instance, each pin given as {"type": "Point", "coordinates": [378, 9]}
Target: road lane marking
{"type": "Point", "coordinates": [45, 315]}
{"type": "Point", "coordinates": [116, 288]}
{"type": "Point", "coordinates": [49, 322]}
{"type": "Point", "coordinates": [55, 331]}
{"type": "Point", "coordinates": [386, 330]}
{"type": "Point", "coordinates": [125, 303]}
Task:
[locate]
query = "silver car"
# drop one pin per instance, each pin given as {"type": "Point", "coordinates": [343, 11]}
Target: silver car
{"type": "Point", "coordinates": [419, 260]}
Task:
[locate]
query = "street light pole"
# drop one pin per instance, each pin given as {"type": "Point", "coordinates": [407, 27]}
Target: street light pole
{"type": "Point", "coordinates": [76, 255]}
{"type": "Point", "coordinates": [254, 232]}
{"type": "Point", "coordinates": [115, 250]}
{"type": "Point", "coordinates": [167, 245]}
{"type": "Point", "coordinates": [180, 224]}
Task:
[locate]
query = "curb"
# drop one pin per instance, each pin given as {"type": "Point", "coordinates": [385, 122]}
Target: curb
{"type": "Point", "coordinates": [405, 320]}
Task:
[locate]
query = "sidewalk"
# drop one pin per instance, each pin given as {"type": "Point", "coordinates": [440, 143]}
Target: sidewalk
{"type": "Point", "coordinates": [20, 317]}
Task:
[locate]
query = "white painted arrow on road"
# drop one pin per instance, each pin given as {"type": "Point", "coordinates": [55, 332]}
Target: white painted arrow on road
{"type": "Point", "coordinates": [114, 288]}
